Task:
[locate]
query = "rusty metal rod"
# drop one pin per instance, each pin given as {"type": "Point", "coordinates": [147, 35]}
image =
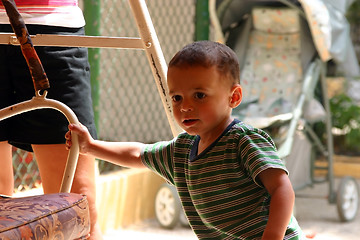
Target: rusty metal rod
{"type": "Point", "coordinates": [37, 72]}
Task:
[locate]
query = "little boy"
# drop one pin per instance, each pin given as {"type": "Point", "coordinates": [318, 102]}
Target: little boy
{"type": "Point", "coordinates": [230, 180]}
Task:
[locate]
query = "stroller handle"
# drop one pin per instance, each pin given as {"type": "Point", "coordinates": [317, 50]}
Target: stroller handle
{"type": "Point", "coordinates": [41, 102]}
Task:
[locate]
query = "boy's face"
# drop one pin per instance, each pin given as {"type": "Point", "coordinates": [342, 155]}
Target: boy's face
{"type": "Point", "coordinates": [202, 99]}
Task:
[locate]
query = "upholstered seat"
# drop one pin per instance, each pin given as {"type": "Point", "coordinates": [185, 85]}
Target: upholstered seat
{"type": "Point", "coordinates": [50, 216]}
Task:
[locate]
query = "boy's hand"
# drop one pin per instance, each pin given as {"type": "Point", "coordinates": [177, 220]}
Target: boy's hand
{"type": "Point", "coordinates": [84, 137]}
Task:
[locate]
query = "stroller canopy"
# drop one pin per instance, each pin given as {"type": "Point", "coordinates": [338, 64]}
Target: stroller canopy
{"type": "Point", "coordinates": [331, 32]}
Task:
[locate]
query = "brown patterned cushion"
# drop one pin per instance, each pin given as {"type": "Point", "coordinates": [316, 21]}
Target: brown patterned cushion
{"type": "Point", "coordinates": [49, 216]}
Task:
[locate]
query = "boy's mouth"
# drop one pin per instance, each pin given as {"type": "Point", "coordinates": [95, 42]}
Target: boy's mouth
{"type": "Point", "coordinates": [188, 122]}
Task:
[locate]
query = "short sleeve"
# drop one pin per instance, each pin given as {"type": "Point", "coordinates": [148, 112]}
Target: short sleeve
{"type": "Point", "coordinates": [258, 153]}
{"type": "Point", "coordinates": [159, 158]}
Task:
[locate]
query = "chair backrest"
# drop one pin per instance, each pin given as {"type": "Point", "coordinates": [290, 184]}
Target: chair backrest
{"type": "Point", "coordinates": [271, 76]}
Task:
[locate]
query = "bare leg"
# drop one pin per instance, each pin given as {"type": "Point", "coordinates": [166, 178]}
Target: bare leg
{"type": "Point", "coordinates": [6, 170]}
{"type": "Point", "coordinates": [51, 159]}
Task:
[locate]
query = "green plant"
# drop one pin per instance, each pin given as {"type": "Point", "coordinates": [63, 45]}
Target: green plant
{"type": "Point", "coordinates": [353, 13]}
{"type": "Point", "coordinates": [346, 118]}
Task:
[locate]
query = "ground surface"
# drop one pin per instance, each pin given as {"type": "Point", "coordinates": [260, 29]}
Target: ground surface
{"type": "Point", "coordinates": [313, 214]}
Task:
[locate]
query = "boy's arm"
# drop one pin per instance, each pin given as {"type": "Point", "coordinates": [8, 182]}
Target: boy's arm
{"type": "Point", "coordinates": [125, 154]}
{"type": "Point", "coordinates": [282, 194]}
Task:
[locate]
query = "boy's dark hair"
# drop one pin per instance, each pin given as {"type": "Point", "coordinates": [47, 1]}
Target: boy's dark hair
{"type": "Point", "coordinates": [208, 54]}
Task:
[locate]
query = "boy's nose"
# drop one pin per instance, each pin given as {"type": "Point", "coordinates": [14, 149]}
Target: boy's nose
{"type": "Point", "coordinates": [186, 106]}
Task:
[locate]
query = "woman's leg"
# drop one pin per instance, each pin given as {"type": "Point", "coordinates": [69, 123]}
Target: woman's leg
{"type": "Point", "coordinates": [51, 159]}
{"type": "Point", "coordinates": [6, 169]}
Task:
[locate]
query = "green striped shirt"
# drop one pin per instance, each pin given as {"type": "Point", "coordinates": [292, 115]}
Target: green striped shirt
{"type": "Point", "coordinates": [219, 188]}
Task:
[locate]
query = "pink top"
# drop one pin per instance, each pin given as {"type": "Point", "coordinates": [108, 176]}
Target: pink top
{"type": "Point", "coordinates": [46, 2]}
{"type": "Point", "coordinates": [65, 13]}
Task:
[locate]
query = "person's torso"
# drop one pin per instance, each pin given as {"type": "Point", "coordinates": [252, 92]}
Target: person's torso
{"type": "Point", "coordinates": [218, 188]}
{"type": "Point", "coordinates": [63, 13]}
{"type": "Point", "coordinates": [217, 191]}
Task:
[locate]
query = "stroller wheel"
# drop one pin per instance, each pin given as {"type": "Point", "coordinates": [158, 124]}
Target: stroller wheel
{"type": "Point", "coordinates": [348, 199]}
{"type": "Point", "coordinates": [167, 206]}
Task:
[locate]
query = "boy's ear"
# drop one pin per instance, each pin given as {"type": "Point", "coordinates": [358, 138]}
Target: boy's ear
{"type": "Point", "coordinates": [236, 96]}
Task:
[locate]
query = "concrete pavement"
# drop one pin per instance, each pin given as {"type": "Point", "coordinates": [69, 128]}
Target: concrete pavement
{"type": "Point", "coordinates": [313, 214]}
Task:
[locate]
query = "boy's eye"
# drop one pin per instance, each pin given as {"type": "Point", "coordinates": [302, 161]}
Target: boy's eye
{"type": "Point", "coordinates": [200, 95]}
{"type": "Point", "coordinates": [176, 98]}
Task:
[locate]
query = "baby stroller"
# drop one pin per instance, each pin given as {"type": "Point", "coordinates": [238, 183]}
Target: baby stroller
{"type": "Point", "coordinates": [284, 49]}
{"type": "Point", "coordinates": [66, 215]}
{"type": "Point", "coordinates": [61, 215]}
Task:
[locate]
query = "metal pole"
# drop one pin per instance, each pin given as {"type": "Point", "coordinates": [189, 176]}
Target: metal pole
{"type": "Point", "coordinates": [329, 136]}
{"type": "Point", "coordinates": [155, 57]}
{"type": "Point", "coordinates": [202, 20]}
{"type": "Point", "coordinates": [92, 28]}
{"type": "Point", "coordinates": [41, 102]}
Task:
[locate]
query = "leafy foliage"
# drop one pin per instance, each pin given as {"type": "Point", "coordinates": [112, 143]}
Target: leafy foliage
{"type": "Point", "coordinates": [346, 116]}
{"type": "Point", "coordinates": [353, 13]}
